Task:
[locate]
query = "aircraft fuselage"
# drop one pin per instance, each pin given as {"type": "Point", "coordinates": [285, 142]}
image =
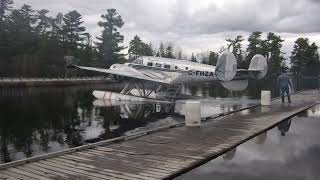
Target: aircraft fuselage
{"type": "Point", "coordinates": [178, 71]}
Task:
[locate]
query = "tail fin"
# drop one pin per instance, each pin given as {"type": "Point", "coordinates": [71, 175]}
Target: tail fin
{"type": "Point", "coordinates": [226, 67]}
{"type": "Point", "coordinates": [258, 66]}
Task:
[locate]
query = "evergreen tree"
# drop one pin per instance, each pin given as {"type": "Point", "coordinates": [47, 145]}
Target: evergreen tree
{"type": "Point", "coordinates": [44, 22]}
{"type": "Point", "coordinates": [138, 48]}
{"type": "Point", "coordinates": [33, 44]}
{"type": "Point", "coordinates": [203, 57]}
{"type": "Point", "coordinates": [236, 46]}
{"type": "Point", "coordinates": [169, 51]}
{"type": "Point", "coordinates": [213, 58]}
{"type": "Point", "coordinates": [256, 46]}
{"type": "Point", "coordinates": [56, 24]}
{"type": "Point", "coordinates": [148, 50]}
{"type": "Point", "coordinates": [161, 52]}
{"type": "Point", "coordinates": [5, 5]}
{"type": "Point", "coordinates": [29, 18]}
{"type": "Point", "coordinates": [72, 29]}
{"type": "Point", "coordinates": [193, 58]}
{"type": "Point", "coordinates": [109, 45]}
{"type": "Point", "coordinates": [269, 48]}
{"type": "Point", "coordinates": [21, 26]}
{"type": "Point", "coordinates": [275, 58]}
{"type": "Point", "coordinates": [179, 56]}
{"type": "Point", "coordinates": [135, 48]}
{"type": "Point", "coordinates": [304, 58]}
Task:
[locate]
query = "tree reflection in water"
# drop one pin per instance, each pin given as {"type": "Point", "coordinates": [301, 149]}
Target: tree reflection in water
{"type": "Point", "coordinates": [35, 122]}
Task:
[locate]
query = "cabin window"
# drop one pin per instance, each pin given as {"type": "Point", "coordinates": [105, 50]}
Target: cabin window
{"type": "Point", "coordinates": [158, 65]}
{"type": "Point", "coordinates": [149, 64]}
{"type": "Point", "coordinates": [166, 66]}
{"type": "Point", "coordinates": [187, 68]}
{"type": "Point", "coordinates": [176, 67]}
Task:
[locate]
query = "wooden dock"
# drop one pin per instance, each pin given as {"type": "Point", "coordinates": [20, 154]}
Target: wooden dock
{"type": "Point", "coordinates": [162, 154]}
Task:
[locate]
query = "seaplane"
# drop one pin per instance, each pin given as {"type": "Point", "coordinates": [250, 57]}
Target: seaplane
{"type": "Point", "coordinates": [149, 78]}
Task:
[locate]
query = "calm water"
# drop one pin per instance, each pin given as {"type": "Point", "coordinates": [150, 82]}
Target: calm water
{"type": "Point", "coordinates": [36, 121]}
{"type": "Point", "coordinates": [289, 151]}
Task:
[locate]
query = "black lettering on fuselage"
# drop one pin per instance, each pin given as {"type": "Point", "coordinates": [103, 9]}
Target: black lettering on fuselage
{"type": "Point", "coordinates": [200, 73]}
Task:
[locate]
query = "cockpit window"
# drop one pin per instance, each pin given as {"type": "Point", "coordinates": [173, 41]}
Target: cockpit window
{"type": "Point", "coordinates": [166, 66]}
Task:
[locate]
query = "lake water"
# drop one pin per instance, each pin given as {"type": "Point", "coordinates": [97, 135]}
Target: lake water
{"type": "Point", "coordinates": [36, 121]}
{"type": "Point", "coordinates": [289, 151]}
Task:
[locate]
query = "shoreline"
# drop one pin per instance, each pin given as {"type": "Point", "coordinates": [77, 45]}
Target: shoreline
{"type": "Point", "coordinates": [47, 82]}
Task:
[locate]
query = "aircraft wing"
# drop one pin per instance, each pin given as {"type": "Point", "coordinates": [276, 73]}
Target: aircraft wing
{"type": "Point", "coordinates": [128, 72]}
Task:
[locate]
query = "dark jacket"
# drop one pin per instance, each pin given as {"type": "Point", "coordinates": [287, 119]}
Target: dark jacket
{"type": "Point", "coordinates": [283, 81]}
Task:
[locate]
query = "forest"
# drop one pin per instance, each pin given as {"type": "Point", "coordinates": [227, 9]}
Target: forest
{"type": "Point", "coordinates": [34, 44]}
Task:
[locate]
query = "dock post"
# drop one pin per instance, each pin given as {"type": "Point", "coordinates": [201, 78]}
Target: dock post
{"type": "Point", "coordinates": [193, 113]}
{"type": "Point", "coordinates": [265, 98]}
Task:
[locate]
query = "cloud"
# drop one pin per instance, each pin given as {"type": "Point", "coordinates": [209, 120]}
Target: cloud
{"type": "Point", "coordinates": [196, 25]}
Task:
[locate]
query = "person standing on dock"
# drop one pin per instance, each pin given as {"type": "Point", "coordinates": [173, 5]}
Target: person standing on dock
{"type": "Point", "coordinates": [284, 84]}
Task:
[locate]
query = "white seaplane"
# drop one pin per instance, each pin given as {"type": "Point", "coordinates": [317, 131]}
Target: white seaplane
{"type": "Point", "coordinates": [154, 78]}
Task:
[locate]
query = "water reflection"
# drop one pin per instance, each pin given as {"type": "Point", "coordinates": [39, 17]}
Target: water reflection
{"type": "Point", "coordinates": [34, 124]}
{"type": "Point", "coordinates": [284, 127]}
{"type": "Point", "coordinates": [261, 138]}
{"type": "Point", "coordinates": [229, 155]}
{"type": "Point", "coordinates": [271, 155]}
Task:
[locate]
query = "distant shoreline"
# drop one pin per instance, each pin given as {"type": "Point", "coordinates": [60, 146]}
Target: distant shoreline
{"type": "Point", "coordinates": [45, 82]}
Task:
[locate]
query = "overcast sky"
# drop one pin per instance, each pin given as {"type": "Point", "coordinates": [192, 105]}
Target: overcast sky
{"type": "Point", "coordinates": [198, 25]}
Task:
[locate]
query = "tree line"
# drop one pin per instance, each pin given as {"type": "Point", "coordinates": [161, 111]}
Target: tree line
{"type": "Point", "coordinates": [34, 44]}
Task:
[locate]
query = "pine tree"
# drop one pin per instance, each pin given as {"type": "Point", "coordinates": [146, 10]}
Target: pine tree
{"type": "Point", "coordinates": [29, 18]}
{"type": "Point", "coordinates": [304, 58]}
{"type": "Point", "coordinates": [169, 51]}
{"type": "Point", "coordinates": [135, 48]}
{"type": "Point", "coordinates": [5, 5]}
{"type": "Point", "coordinates": [148, 49]}
{"type": "Point", "coordinates": [213, 58]}
{"type": "Point", "coordinates": [236, 46]}
{"type": "Point", "coordinates": [179, 56]}
{"type": "Point", "coordinates": [193, 58]}
{"type": "Point", "coordinates": [109, 45]}
{"type": "Point", "coordinates": [161, 52]}
{"type": "Point", "coordinates": [275, 58]}
{"type": "Point", "coordinates": [72, 29]}
{"type": "Point", "coordinates": [44, 22]}
{"type": "Point", "coordinates": [256, 46]}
